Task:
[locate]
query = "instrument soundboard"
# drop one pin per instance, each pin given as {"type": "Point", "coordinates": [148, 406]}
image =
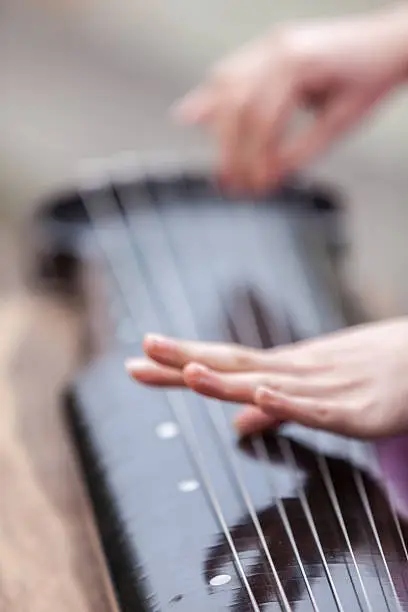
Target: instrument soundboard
{"type": "Point", "coordinates": [191, 518]}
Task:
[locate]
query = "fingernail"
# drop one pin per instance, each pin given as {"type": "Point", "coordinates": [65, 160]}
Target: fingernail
{"type": "Point", "coordinates": [134, 365]}
{"type": "Point", "coordinates": [155, 338]}
{"type": "Point", "coordinates": [130, 364]}
{"type": "Point", "coordinates": [160, 342]}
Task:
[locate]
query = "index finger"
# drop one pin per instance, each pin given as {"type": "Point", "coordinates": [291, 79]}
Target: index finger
{"type": "Point", "coordinates": [197, 106]}
{"type": "Point", "coordinates": [216, 355]}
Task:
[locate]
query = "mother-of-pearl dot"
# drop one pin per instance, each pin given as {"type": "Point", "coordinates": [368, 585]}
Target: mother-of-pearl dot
{"type": "Point", "coordinates": [186, 486]}
{"type": "Point", "coordinates": [167, 430]}
{"type": "Point", "coordinates": [220, 580]}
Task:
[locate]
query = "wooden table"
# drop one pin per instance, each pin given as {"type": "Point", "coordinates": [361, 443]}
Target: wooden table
{"type": "Point", "coordinates": [50, 557]}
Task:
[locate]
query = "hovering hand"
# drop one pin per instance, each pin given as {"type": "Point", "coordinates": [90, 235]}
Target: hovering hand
{"type": "Point", "coordinates": [339, 68]}
{"type": "Point", "coordinates": [353, 382]}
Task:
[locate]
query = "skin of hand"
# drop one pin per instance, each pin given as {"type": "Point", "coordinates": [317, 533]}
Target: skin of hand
{"type": "Point", "coordinates": [352, 382]}
{"type": "Point", "coordinates": [339, 69]}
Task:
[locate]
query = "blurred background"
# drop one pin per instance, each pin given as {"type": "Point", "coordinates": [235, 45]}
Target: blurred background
{"type": "Point", "coordinates": [92, 78]}
{"type": "Point", "coordinates": [87, 79]}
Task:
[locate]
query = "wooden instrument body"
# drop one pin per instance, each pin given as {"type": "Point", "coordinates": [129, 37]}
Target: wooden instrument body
{"type": "Point", "coordinates": [191, 519]}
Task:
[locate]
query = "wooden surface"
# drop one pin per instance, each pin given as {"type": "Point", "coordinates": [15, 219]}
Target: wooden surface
{"type": "Point", "coordinates": [50, 558]}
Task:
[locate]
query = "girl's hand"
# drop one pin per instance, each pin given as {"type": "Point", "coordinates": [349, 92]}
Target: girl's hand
{"type": "Point", "coordinates": [339, 68]}
{"type": "Point", "coordinates": [353, 382]}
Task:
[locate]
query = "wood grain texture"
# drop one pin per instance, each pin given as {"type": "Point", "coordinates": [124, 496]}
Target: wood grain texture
{"type": "Point", "coordinates": [50, 558]}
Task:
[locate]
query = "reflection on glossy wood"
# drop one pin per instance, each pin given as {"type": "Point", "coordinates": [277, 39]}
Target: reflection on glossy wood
{"type": "Point", "coordinates": [335, 549]}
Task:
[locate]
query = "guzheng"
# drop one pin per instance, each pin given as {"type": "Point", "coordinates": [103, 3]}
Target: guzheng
{"type": "Point", "coordinates": [192, 519]}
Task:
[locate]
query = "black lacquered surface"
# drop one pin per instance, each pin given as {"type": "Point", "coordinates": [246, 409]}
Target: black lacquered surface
{"type": "Point", "coordinates": [199, 521]}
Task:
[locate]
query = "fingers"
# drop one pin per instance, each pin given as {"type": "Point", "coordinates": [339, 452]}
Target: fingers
{"type": "Point", "coordinates": [253, 127]}
{"type": "Point", "coordinates": [268, 129]}
{"type": "Point", "coordinates": [149, 372]}
{"type": "Point", "coordinates": [223, 386]}
{"type": "Point", "coordinates": [226, 113]}
{"type": "Point", "coordinates": [335, 119]}
{"type": "Point", "coordinates": [247, 117]}
{"type": "Point", "coordinates": [166, 358]}
{"type": "Point", "coordinates": [312, 401]}
{"type": "Point", "coordinates": [251, 420]}
{"type": "Point", "coordinates": [197, 107]}
{"type": "Point", "coordinates": [218, 356]}
{"type": "Point", "coordinates": [317, 403]}
{"type": "Point", "coordinates": [241, 387]}
{"type": "Point", "coordinates": [296, 359]}
{"type": "Point", "coordinates": [232, 127]}
{"type": "Point", "coordinates": [318, 413]}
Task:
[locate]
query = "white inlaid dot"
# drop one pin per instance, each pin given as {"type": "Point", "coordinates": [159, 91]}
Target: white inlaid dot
{"type": "Point", "coordinates": [220, 580]}
{"type": "Point", "coordinates": [187, 486]}
{"type": "Point", "coordinates": [167, 430]}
